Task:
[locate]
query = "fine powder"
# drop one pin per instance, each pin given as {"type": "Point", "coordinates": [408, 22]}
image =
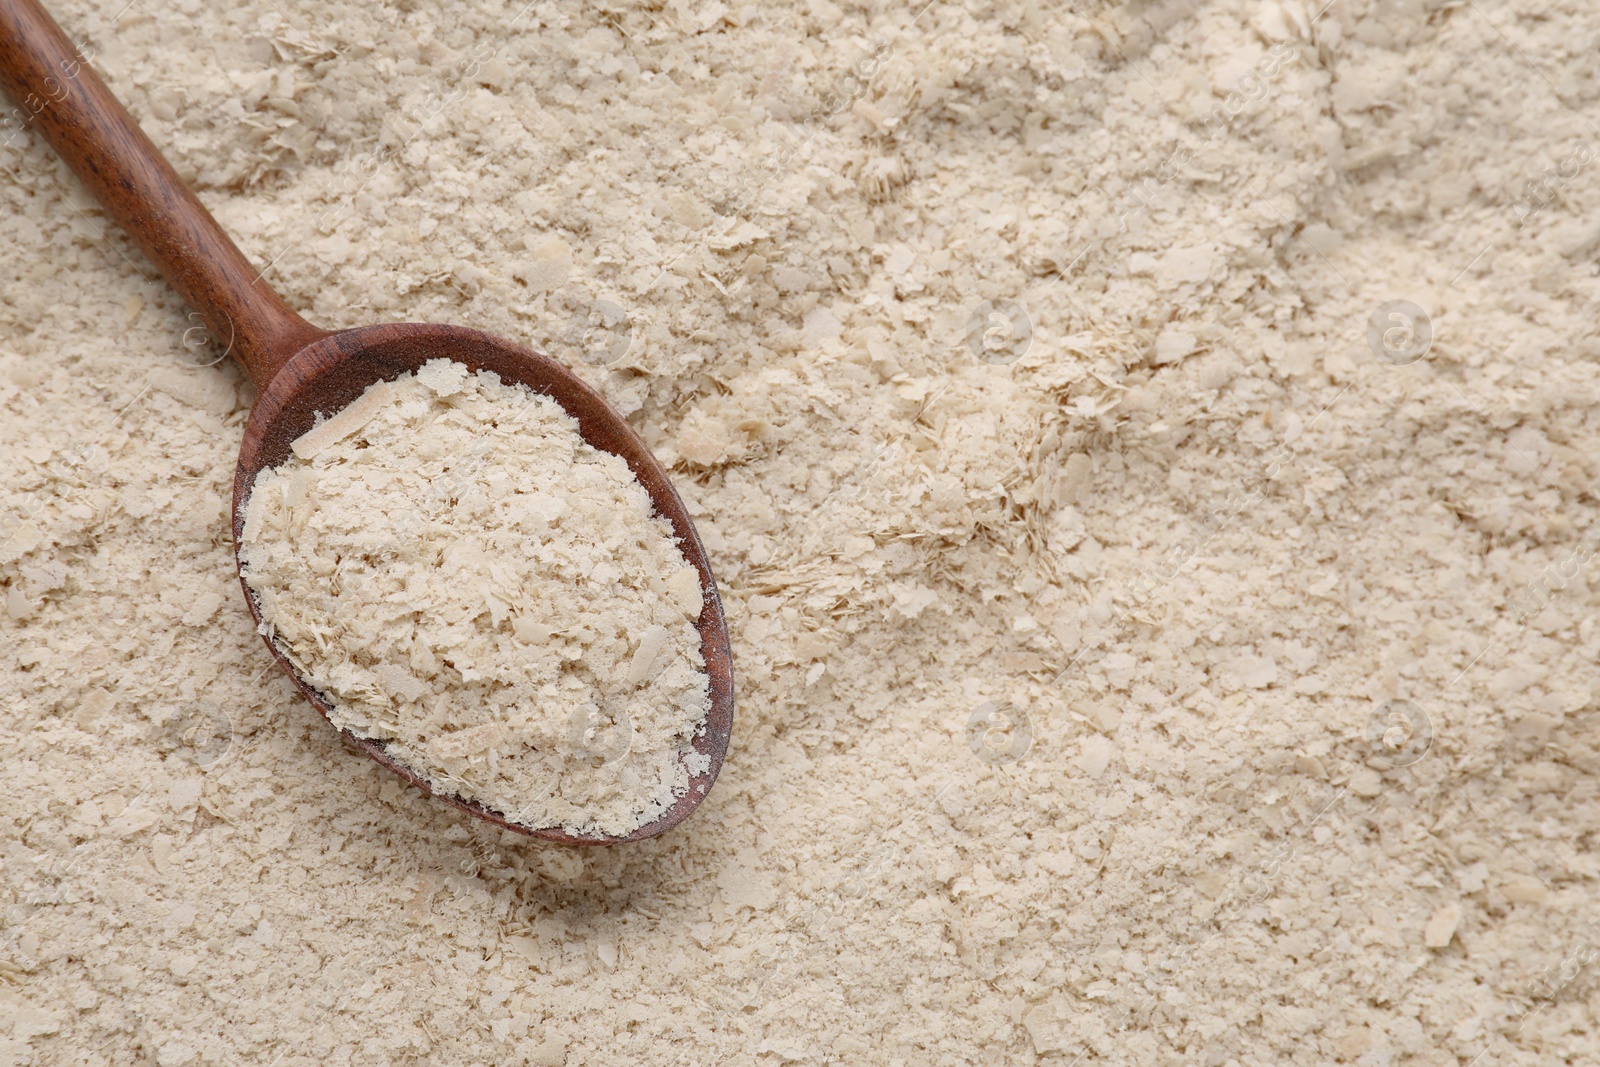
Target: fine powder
{"type": "Point", "coordinates": [465, 578]}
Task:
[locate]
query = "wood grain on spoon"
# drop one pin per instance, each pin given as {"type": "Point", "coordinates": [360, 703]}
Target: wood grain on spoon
{"type": "Point", "coordinates": [301, 370]}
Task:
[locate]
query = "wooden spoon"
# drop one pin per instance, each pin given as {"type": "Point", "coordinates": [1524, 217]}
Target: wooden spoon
{"type": "Point", "coordinates": [300, 370]}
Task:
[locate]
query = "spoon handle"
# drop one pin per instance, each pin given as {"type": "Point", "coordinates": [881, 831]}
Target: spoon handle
{"type": "Point", "coordinates": [59, 95]}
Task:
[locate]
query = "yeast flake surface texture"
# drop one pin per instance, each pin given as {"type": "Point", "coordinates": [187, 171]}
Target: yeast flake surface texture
{"type": "Point", "coordinates": [469, 581]}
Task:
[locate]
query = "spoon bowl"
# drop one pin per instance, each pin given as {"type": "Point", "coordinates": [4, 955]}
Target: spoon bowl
{"type": "Point", "coordinates": [331, 372]}
{"type": "Point", "coordinates": [301, 371]}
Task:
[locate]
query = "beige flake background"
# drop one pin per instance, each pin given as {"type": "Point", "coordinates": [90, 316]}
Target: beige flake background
{"type": "Point", "coordinates": [1144, 656]}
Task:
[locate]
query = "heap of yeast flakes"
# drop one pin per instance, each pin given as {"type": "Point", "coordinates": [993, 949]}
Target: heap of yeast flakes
{"type": "Point", "coordinates": [469, 581]}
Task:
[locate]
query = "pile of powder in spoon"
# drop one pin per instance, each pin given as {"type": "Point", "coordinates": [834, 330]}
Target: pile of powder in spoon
{"type": "Point", "coordinates": [466, 579]}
